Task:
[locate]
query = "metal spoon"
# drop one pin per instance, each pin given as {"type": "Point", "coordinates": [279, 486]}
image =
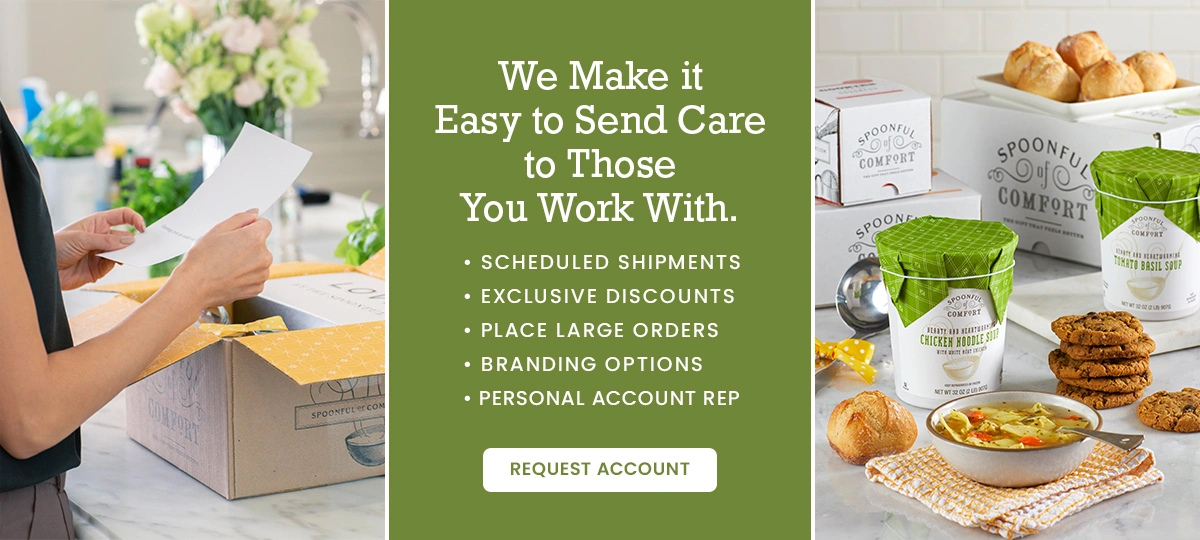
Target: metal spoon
{"type": "Point", "coordinates": [1120, 440]}
{"type": "Point", "coordinates": [862, 300]}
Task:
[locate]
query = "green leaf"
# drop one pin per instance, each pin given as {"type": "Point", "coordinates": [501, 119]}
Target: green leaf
{"type": "Point", "coordinates": [68, 128]}
{"type": "Point", "coordinates": [151, 195]}
{"type": "Point", "coordinates": [365, 236]}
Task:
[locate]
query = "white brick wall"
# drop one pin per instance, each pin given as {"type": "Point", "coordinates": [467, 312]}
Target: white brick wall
{"type": "Point", "coordinates": [937, 46]}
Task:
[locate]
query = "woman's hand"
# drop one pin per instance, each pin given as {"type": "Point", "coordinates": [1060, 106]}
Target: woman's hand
{"type": "Point", "coordinates": [230, 262]}
{"type": "Point", "coordinates": [77, 244]}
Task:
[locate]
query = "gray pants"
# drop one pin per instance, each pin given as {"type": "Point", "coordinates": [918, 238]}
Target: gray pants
{"type": "Point", "coordinates": [37, 512]}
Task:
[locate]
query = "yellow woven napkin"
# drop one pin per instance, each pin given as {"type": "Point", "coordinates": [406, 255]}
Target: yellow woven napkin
{"type": "Point", "coordinates": [1012, 513]}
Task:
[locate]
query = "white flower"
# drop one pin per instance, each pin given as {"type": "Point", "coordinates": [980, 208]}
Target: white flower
{"type": "Point", "coordinates": [202, 11]}
{"type": "Point", "coordinates": [194, 53]}
{"type": "Point", "coordinates": [220, 80]}
{"type": "Point", "coordinates": [195, 88]}
{"type": "Point", "coordinates": [270, 33]}
{"type": "Point", "coordinates": [151, 20]}
{"type": "Point", "coordinates": [242, 36]}
{"type": "Point", "coordinates": [248, 92]}
{"type": "Point", "coordinates": [300, 31]}
{"type": "Point", "coordinates": [320, 73]}
{"type": "Point", "coordinates": [220, 26]}
{"type": "Point", "coordinates": [270, 63]}
{"type": "Point", "coordinates": [302, 53]}
{"type": "Point", "coordinates": [163, 79]}
{"type": "Point", "coordinates": [283, 11]}
{"type": "Point", "coordinates": [183, 18]}
{"type": "Point", "coordinates": [182, 111]}
{"type": "Point", "coordinates": [307, 14]}
{"type": "Point", "coordinates": [292, 86]}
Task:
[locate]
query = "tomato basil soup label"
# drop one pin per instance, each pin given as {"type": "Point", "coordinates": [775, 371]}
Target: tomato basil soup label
{"type": "Point", "coordinates": [955, 349]}
{"type": "Point", "coordinates": [1150, 265]}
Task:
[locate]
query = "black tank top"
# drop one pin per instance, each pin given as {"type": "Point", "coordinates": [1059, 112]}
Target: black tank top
{"type": "Point", "coordinates": [35, 240]}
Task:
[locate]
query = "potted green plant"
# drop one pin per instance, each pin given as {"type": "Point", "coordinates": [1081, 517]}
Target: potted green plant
{"type": "Point", "coordinates": [154, 195]}
{"type": "Point", "coordinates": [63, 140]}
{"type": "Point", "coordinates": [367, 236]}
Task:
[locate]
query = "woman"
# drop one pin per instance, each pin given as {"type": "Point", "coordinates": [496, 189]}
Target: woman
{"type": "Point", "coordinates": [48, 387]}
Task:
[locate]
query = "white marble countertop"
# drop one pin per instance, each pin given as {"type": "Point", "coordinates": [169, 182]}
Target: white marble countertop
{"type": "Point", "coordinates": [849, 507]}
{"type": "Point", "coordinates": [123, 491]}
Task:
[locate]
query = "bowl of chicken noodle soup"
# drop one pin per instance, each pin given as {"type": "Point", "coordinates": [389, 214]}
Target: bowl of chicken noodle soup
{"type": "Point", "coordinates": [1011, 438]}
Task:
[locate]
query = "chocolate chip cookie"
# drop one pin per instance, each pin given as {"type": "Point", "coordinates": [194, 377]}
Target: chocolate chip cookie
{"type": "Point", "coordinates": [1065, 367]}
{"type": "Point", "coordinates": [1137, 348]}
{"type": "Point", "coordinates": [1098, 328]}
{"type": "Point", "coordinates": [1097, 400]}
{"type": "Point", "coordinates": [1172, 411]}
{"type": "Point", "coordinates": [1112, 385]}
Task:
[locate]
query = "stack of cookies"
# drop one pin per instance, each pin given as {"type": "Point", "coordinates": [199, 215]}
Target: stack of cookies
{"type": "Point", "coordinates": [1103, 360]}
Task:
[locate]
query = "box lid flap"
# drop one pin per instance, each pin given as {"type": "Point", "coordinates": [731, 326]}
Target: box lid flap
{"type": "Point", "coordinates": [136, 290]}
{"type": "Point", "coordinates": [189, 342]}
{"type": "Point", "coordinates": [865, 93]}
{"type": "Point", "coordinates": [324, 354]}
{"type": "Point", "coordinates": [143, 289]}
{"type": "Point", "coordinates": [305, 268]}
{"type": "Point", "coordinates": [101, 318]}
{"type": "Point", "coordinates": [375, 266]}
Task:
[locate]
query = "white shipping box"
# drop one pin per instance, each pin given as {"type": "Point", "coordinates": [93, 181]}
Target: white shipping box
{"type": "Point", "coordinates": [845, 235]}
{"type": "Point", "coordinates": [1033, 169]}
{"type": "Point", "coordinates": [330, 299]}
{"type": "Point", "coordinates": [871, 142]}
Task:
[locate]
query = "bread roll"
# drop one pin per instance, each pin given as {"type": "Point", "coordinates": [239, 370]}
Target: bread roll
{"type": "Point", "coordinates": [1020, 57]}
{"type": "Point", "coordinates": [1083, 50]}
{"type": "Point", "coordinates": [1109, 78]}
{"type": "Point", "coordinates": [870, 425]}
{"type": "Point", "coordinates": [1155, 69]}
{"type": "Point", "coordinates": [1050, 77]}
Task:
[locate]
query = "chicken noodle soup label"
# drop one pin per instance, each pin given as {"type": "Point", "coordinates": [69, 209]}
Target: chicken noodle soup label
{"type": "Point", "coordinates": [1149, 265]}
{"type": "Point", "coordinates": [954, 349]}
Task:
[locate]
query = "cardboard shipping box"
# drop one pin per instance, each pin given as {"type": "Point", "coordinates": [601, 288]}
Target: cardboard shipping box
{"type": "Point", "coordinates": [871, 142]}
{"type": "Point", "coordinates": [251, 410]}
{"type": "Point", "coordinates": [845, 235]}
{"type": "Point", "coordinates": [1033, 169]}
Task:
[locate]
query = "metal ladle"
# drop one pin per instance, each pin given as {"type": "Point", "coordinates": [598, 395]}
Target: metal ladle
{"type": "Point", "coordinates": [862, 299]}
{"type": "Point", "coordinates": [1120, 440]}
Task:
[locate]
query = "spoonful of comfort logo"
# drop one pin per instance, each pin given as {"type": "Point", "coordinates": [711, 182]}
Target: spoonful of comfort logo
{"type": "Point", "coordinates": [893, 143]}
{"type": "Point", "coordinates": [1148, 226]}
{"type": "Point", "coordinates": [965, 305]}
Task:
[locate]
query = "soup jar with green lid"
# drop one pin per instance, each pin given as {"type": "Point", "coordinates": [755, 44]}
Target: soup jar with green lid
{"type": "Point", "coordinates": [1149, 227]}
{"type": "Point", "coordinates": [949, 281]}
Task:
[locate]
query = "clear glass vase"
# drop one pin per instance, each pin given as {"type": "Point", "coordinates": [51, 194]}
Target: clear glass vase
{"type": "Point", "coordinates": [284, 215]}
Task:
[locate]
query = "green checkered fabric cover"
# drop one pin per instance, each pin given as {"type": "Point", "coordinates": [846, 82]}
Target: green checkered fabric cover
{"type": "Point", "coordinates": [937, 247]}
{"type": "Point", "coordinates": [1147, 174]}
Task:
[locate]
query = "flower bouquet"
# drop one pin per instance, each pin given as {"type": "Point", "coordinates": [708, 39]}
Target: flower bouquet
{"type": "Point", "coordinates": [226, 62]}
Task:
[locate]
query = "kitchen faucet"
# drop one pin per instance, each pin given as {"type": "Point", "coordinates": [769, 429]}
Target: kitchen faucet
{"type": "Point", "coordinates": [368, 117]}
